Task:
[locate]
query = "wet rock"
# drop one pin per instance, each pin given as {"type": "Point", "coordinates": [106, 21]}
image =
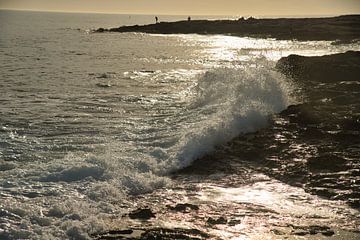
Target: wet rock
{"type": "Point", "coordinates": [300, 233]}
{"type": "Point", "coordinates": [328, 233]}
{"type": "Point", "coordinates": [56, 212]}
{"type": "Point", "coordinates": [312, 230]}
{"type": "Point", "coordinates": [328, 68]}
{"type": "Point", "coordinates": [100, 30]}
{"type": "Point", "coordinates": [76, 232]}
{"type": "Point", "coordinates": [6, 214]}
{"type": "Point", "coordinates": [73, 216]}
{"type": "Point", "coordinates": [355, 172]}
{"type": "Point", "coordinates": [124, 232]}
{"type": "Point", "coordinates": [355, 203]}
{"type": "Point", "coordinates": [40, 221]}
{"type": "Point", "coordinates": [32, 194]}
{"type": "Point", "coordinates": [5, 166]}
{"type": "Point", "coordinates": [183, 207]}
{"type": "Point", "coordinates": [324, 192]}
{"type": "Point", "coordinates": [302, 114]}
{"type": "Point", "coordinates": [220, 220]}
{"type": "Point", "coordinates": [170, 234]}
{"type": "Point", "coordinates": [352, 123]}
{"type": "Point", "coordinates": [326, 161]}
{"type": "Point", "coordinates": [233, 222]}
{"type": "Point", "coordinates": [277, 232]}
{"type": "Point", "coordinates": [142, 213]}
{"type": "Point", "coordinates": [113, 234]}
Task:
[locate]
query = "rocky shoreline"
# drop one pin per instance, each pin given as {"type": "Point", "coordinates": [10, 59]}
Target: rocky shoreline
{"type": "Point", "coordinates": [328, 68]}
{"type": "Point", "coordinates": [308, 146]}
{"type": "Point", "coordinates": [343, 29]}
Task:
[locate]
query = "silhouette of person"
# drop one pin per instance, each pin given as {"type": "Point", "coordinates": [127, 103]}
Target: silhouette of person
{"type": "Point", "coordinates": [189, 18]}
{"type": "Point", "coordinates": [156, 19]}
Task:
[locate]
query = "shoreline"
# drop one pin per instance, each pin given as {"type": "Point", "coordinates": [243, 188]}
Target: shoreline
{"type": "Point", "coordinates": [252, 196]}
{"type": "Point", "coordinates": [344, 29]}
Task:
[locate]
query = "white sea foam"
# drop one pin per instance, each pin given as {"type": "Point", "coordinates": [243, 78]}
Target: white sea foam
{"type": "Point", "coordinates": [230, 102]}
{"type": "Point", "coordinates": [223, 104]}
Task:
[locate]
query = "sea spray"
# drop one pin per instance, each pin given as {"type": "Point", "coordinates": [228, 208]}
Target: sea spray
{"type": "Point", "coordinates": [230, 102]}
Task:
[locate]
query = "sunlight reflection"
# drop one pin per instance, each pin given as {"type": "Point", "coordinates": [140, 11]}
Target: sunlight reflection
{"type": "Point", "coordinates": [272, 195]}
{"type": "Point", "coordinates": [228, 49]}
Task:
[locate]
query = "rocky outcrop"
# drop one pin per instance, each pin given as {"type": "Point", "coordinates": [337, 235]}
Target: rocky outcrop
{"type": "Point", "coordinates": [328, 68]}
{"type": "Point", "coordinates": [342, 28]}
{"type": "Point", "coordinates": [142, 213]}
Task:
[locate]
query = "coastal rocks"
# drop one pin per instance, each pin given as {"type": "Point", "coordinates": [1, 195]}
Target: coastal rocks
{"type": "Point", "coordinates": [302, 114]}
{"type": "Point", "coordinates": [328, 68]}
{"type": "Point", "coordinates": [343, 28]}
{"type": "Point", "coordinates": [177, 233]}
{"type": "Point", "coordinates": [312, 230]}
{"type": "Point", "coordinates": [142, 214]}
{"type": "Point", "coordinates": [154, 233]}
{"type": "Point", "coordinates": [214, 221]}
{"type": "Point", "coordinates": [5, 166]}
{"type": "Point", "coordinates": [7, 214]}
{"type": "Point", "coordinates": [184, 207]}
{"type": "Point", "coordinates": [326, 162]}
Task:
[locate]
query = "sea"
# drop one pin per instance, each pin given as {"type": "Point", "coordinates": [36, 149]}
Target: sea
{"type": "Point", "coordinates": [96, 125]}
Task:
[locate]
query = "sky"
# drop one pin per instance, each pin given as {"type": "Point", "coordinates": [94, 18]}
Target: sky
{"type": "Point", "coordinates": [192, 7]}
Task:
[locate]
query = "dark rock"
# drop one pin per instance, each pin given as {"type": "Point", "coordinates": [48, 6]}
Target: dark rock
{"type": "Point", "coordinates": [300, 233]}
{"type": "Point", "coordinates": [328, 68]}
{"type": "Point", "coordinates": [42, 221]}
{"type": "Point", "coordinates": [73, 216]}
{"type": "Point", "coordinates": [142, 213]}
{"type": "Point", "coordinates": [355, 203]}
{"type": "Point", "coordinates": [170, 234]}
{"type": "Point", "coordinates": [277, 232]}
{"type": "Point", "coordinates": [31, 194]}
{"type": "Point", "coordinates": [100, 30]}
{"type": "Point", "coordinates": [76, 232]}
{"type": "Point", "coordinates": [328, 233]}
{"type": "Point", "coordinates": [5, 213]}
{"type": "Point", "coordinates": [56, 212]}
{"type": "Point", "coordinates": [302, 114]}
{"type": "Point", "coordinates": [312, 230]}
{"type": "Point", "coordinates": [233, 222]}
{"type": "Point", "coordinates": [124, 232]}
{"type": "Point", "coordinates": [113, 234]}
{"type": "Point", "coordinates": [220, 220]}
{"type": "Point", "coordinates": [352, 124]}
{"type": "Point", "coordinates": [5, 166]}
{"type": "Point", "coordinates": [344, 28]}
{"type": "Point", "coordinates": [324, 192]}
{"type": "Point", "coordinates": [327, 162]}
{"type": "Point", "coordinates": [183, 207]}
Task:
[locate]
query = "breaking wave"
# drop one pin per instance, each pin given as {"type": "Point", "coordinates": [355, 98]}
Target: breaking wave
{"type": "Point", "coordinates": [230, 102]}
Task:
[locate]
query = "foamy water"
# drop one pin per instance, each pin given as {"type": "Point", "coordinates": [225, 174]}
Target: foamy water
{"type": "Point", "coordinates": [89, 120]}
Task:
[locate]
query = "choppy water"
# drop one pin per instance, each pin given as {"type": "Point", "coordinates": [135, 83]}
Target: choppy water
{"type": "Point", "coordinates": [88, 121]}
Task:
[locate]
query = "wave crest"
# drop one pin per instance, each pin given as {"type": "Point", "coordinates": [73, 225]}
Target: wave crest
{"type": "Point", "coordinates": [230, 102]}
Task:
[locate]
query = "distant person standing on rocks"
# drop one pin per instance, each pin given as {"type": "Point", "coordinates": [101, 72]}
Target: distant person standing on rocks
{"type": "Point", "coordinates": [189, 18]}
{"type": "Point", "coordinates": [156, 19]}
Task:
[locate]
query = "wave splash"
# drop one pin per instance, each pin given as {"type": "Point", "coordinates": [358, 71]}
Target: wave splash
{"type": "Point", "coordinates": [230, 102]}
{"type": "Point", "coordinates": [223, 104]}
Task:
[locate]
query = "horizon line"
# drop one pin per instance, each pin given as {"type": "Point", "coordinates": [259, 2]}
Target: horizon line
{"type": "Point", "coordinates": [163, 14]}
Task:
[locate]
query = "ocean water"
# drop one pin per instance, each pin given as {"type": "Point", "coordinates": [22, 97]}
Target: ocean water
{"type": "Point", "coordinates": [91, 125]}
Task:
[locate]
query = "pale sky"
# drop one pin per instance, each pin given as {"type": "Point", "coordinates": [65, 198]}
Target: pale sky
{"type": "Point", "coordinates": [192, 7]}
